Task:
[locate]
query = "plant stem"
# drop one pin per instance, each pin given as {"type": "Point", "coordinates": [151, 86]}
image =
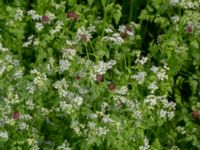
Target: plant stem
{"type": "Point", "coordinates": [131, 11]}
{"type": "Point", "coordinates": [104, 18]}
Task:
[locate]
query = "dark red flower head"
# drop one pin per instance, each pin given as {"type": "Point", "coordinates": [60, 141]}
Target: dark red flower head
{"type": "Point", "coordinates": [84, 37]}
{"type": "Point", "coordinates": [45, 19]}
{"type": "Point", "coordinates": [99, 78]}
{"type": "Point", "coordinates": [78, 77]}
{"type": "Point", "coordinates": [111, 87]}
{"type": "Point", "coordinates": [128, 28]}
{"type": "Point", "coordinates": [72, 15]}
{"type": "Point", "coordinates": [195, 115]}
{"type": "Point", "coordinates": [16, 115]}
{"type": "Point", "coordinates": [189, 28]}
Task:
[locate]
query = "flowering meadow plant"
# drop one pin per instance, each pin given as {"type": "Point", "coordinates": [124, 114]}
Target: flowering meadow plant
{"type": "Point", "coordinates": [84, 75]}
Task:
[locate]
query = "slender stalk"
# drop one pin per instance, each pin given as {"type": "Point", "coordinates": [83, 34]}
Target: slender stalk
{"type": "Point", "coordinates": [104, 17]}
{"type": "Point", "coordinates": [131, 11]}
{"type": "Point", "coordinates": [87, 53]}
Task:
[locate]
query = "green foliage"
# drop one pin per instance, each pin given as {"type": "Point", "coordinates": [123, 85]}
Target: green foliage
{"type": "Point", "coordinates": [82, 75]}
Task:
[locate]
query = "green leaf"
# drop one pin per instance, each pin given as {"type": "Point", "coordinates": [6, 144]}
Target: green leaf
{"type": "Point", "coordinates": [117, 14]}
{"type": "Point", "coordinates": [156, 145]}
{"type": "Point", "coordinates": [90, 2]}
{"type": "Point", "coordinates": [193, 85]}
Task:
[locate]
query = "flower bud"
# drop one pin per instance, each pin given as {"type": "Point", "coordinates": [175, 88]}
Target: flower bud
{"type": "Point", "coordinates": [195, 115]}
{"type": "Point", "coordinates": [99, 78]}
{"type": "Point", "coordinates": [72, 15]}
{"type": "Point", "coordinates": [45, 19]}
{"type": "Point", "coordinates": [16, 115]}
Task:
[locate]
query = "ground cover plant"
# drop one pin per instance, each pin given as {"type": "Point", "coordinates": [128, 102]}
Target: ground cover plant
{"type": "Point", "coordinates": [99, 75]}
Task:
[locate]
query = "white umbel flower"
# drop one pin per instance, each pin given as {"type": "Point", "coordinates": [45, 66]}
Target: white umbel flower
{"type": "Point", "coordinates": [39, 26]}
{"type": "Point", "coordinates": [64, 146]}
{"type": "Point", "coordinates": [140, 77]}
{"type": "Point", "coordinates": [2, 48]}
{"type": "Point", "coordinates": [34, 15]}
{"type": "Point", "coordinates": [174, 2]}
{"type": "Point", "coordinates": [4, 135]}
{"type": "Point", "coordinates": [146, 145]}
{"type": "Point", "coordinates": [102, 66]}
{"type": "Point", "coordinates": [78, 100]}
{"type": "Point", "coordinates": [19, 15]}
{"type": "Point", "coordinates": [64, 65]}
{"type": "Point", "coordinates": [115, 38]}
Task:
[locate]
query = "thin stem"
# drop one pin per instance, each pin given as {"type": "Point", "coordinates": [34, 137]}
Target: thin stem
{"type": "Point", "coordinates": [87, 53]}
{"type": "Point", "coordinates": [131, 11]}
{"type": "Point", "coordinates": [104, 18]}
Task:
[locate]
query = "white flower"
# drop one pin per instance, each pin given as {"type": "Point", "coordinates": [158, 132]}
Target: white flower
{"type": "Point", "coordinates": [174, 2]}
{"type": "Point", "coordinates": [18, 74]}
{"type": "Point", "coordinates": [62, 84]}
{"type": "Point", "coordinates": [34, 147]}
{"type": "Point", "coordinates": [115, 38]}
{"type": "Point", "coordinates": [64, 146]}
{"type": "Point", "coordinates": [19, 15]}
{"type": "Point", "coordinates": [163, 113]}
{"type": "Point", "coordinates": [101, 131]}
{"type": "Point", "coordinates": [36, 42]}
{"type": "Point", "coordinates": [59, 25]}
{"type": "Point", "coordinates": [91, 125]}
{"type": "Point", "coordinates": [151, 99]}
{"type": "Point", "coordinates": [154, 69]}
{"type": "Point", "coordinates": [2, 48]}
{"type": "Point", "coordinates": [31, 88]}
{"type": "Point", "coordinates": [31, 141]}
{"type": "Point", "coordinates": [4, 135]}
{"type": "Point", "coordinates": [175, 19]}
{"type": "Point", "coordinates": [142, 61]}
{"type": "Point", "coordinates": [122, 91]}
{"type": "Point", "coordinates": [170, 115]}
{"type": "Point", "coordinates": [51, 15]}
{"type": "Point", "coordinates": [83, 34]}
{"type": "Point", "coordinates": [108, 30]}
{"type": "Point", "coordinates": [75, 125]}
{"type": "Point", "coordinates": [146, 145]}
{"type": "Point", "coordinates": [64, 65]}
{"type": "Point", "coordinates": [29, 104]}
{"type": "Point", "coordinates": [69, 53]}
{"type": "Point", "coordinates": [70, 43]}
{"type": "Point", "coordinates": [91, 29]}
{"type": "Point", "coordinates": [181, 130]}
{"type": "Point", "coordinates": [26, 44]}
{"type": "Point", "coordinates": [92, 116]}
{"type": "Point", "coordinates": [139, 77]}
{"type": "Point", "coordinates": [65, 107]}
{"type": "Point", "coordinates": [29, 41]}
{"type": "Point", "coordinates": [107, 119]}
{"type": "Point", "coordinates": [102, 66]}
{"type": "Point", "coordinates": [152, 86]}
{"type": "Point", "coordinates": [122, 28]}
{"type": "Point", "coordinates": [39, 26]}
{"type": "Point", "coordinates": [137, 114]}
{"type": "Point", "coordinates": [40, 79]}
{"type": "Point", "coordinates": [23, 126]}
{"type": "Point", "coordinates": [78, 100]}
{"type": "Point", "coordinates": [26, 117]}
{"type": "Point", "coordinates": [174, 148]}
{"type": "Point", "coordinates": [34, 15]}
{"type": "Point", "coordinates": [162, 74]}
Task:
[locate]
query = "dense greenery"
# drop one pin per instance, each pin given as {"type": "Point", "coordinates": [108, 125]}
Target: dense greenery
{"type": "Point", "coordinates": [107, 74]}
